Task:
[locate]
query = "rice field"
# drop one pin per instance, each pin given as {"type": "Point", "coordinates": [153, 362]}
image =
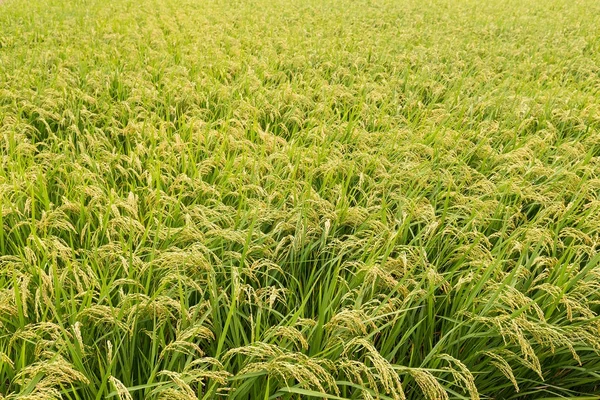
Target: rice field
{"type": "Point", "coordinates": [269, 199]}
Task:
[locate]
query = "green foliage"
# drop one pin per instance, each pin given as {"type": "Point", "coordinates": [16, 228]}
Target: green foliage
{"type": "Point", "coordinates": [299, 199]}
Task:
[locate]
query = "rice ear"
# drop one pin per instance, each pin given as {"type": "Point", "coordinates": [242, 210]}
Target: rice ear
{"type": "Point", "coordinates": [121, 390]}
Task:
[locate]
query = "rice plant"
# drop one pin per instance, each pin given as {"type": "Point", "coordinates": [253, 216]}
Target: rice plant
{"type": "Point", "coordinates": [271, 199]}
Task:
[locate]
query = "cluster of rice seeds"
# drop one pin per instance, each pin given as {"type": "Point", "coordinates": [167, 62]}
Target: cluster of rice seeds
{"type": "Point", "coordinates": [372, 199]}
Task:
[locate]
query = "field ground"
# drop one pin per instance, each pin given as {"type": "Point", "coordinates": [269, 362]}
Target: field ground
{"type": "Point", "coordinates": [268, 199]}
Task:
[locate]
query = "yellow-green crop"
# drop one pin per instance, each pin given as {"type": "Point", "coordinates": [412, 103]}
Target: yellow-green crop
{"type": "Point", "coordinates": [283, 199]}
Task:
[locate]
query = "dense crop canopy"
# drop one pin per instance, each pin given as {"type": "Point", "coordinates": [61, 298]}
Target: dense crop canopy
{"type": "Point", "coordinates": [269, 199]}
